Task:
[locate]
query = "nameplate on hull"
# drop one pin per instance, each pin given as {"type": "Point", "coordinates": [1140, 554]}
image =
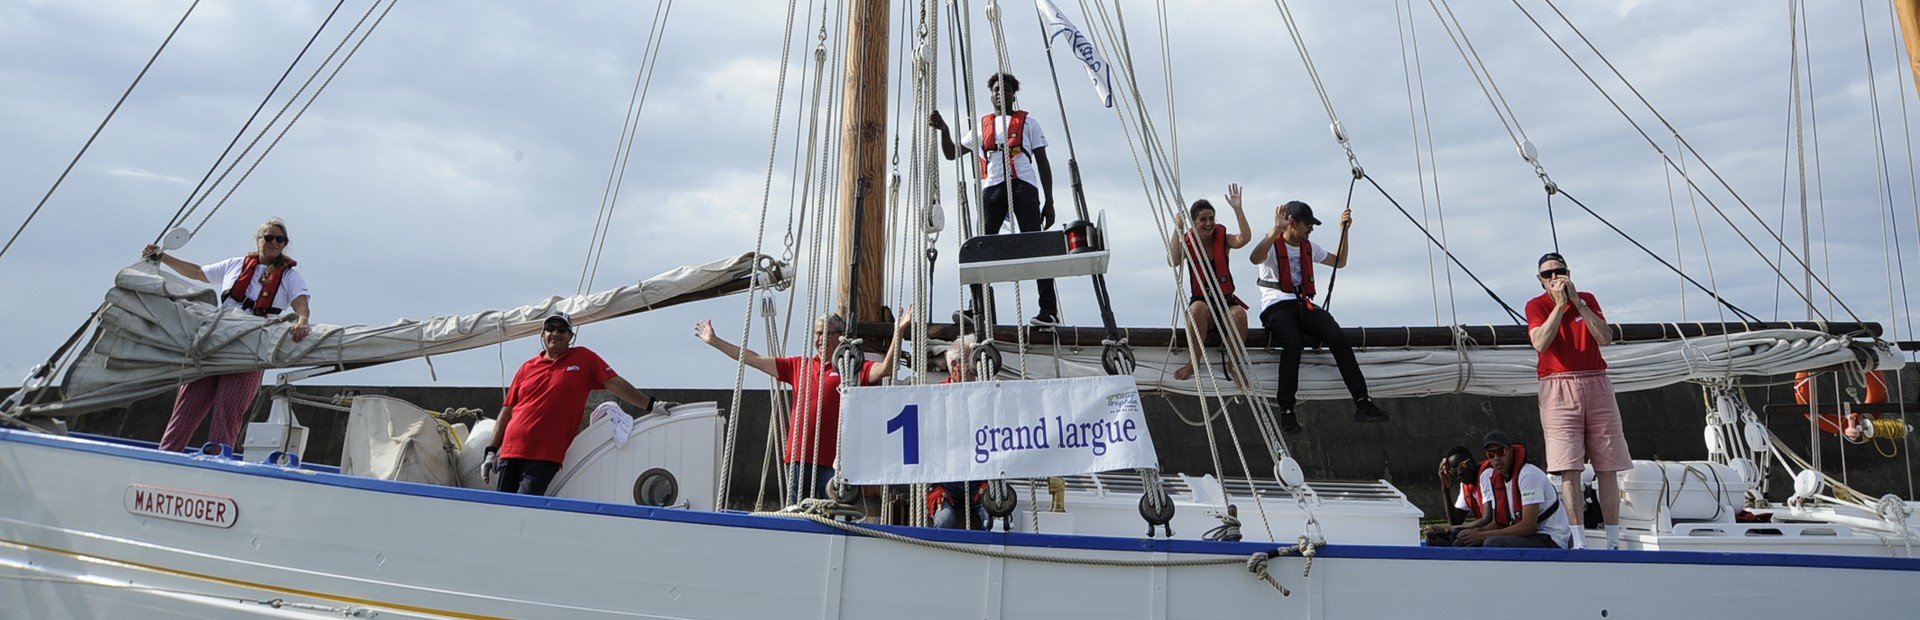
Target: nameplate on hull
{"type": "Point", "coordinates": [183, 506]}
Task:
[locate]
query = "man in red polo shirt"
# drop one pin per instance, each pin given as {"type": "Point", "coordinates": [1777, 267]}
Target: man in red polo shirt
{"type": "Point", "coordinates": [1578, 414]}
{"type": "Point", "coordinates": [813, 434]}
{"type": "Point", "coordinates": [545, 406]}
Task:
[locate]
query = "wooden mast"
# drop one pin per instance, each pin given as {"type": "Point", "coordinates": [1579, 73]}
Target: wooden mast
{"type": "Point", "coordinates": [863, 226]}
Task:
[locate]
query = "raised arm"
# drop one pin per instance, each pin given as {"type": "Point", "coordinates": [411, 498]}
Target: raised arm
{"type": "Point", "coordinates": [1238, 240]}
{"type": "Point", "coordinates": [1596, 324]}
{"type": "Point", "coordinates": [1177, 255]}
{"type": "Point", "coordinates": [1338, 259]}
{"type": "Point", "coordinates": [1260, 250]}
{"type": "Point", "coordinates": [182, 267]}
{"type": "Point", "coordinates": [885, 368]}
{"type": "Point", "coordinates": [704, 331]}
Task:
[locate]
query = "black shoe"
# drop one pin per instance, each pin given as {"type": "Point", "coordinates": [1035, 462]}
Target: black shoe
{"type": "Point", "coordinates": [1289, 423]}
{"type": "Point", "coordinates": [1365, 411]}
{"type": "Point", "coordinates": [1046, 319]}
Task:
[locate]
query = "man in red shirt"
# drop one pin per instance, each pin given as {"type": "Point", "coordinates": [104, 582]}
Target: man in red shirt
{"type": "Point", "coordinates": [813, 434]}
{"type": "Point", "coordinates": [1578, 413]}
{"type": "Point", "coordinates": [545, 406]}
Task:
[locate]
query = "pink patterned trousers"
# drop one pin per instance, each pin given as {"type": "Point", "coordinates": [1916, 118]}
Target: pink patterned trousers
{"type": "Point", "coordinates": [229, 396]}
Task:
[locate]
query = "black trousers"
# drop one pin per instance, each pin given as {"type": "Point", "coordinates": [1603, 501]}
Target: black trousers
{"type": "Point", "coordinates": [525, 476]}
{"type": "Point", "coordinates": [1285, 323]}
{"type": "Point", "coordinates": [1026, 214]}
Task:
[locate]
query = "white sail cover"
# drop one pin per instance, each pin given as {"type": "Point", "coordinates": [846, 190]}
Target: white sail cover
{"type": "Point", "coordinates": [390, 439]}
{"type": "Point", "coordinates": [1488, 371]}
{"type": "Point", "coordinates": [158, 330]}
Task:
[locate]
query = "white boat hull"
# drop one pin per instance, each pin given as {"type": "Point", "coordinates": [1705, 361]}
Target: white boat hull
{"type": "Point", "coordinates": [328, 545]}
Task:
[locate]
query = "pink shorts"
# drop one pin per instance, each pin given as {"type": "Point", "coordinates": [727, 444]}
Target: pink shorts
{"type": "Point", "coordinates": [1581, 422]}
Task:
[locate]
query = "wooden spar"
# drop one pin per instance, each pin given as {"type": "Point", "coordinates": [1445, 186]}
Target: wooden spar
{"type": "Point", "coordinates": [862, 163]}
{"type": "Point", "coordinates": [1479, 335]}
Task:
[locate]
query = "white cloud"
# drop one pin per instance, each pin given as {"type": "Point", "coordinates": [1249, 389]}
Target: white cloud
{"type": "Point", "coordinates": [459, 162]}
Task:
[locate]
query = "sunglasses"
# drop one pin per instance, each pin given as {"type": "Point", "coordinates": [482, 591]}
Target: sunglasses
{"type": "Point", "coordinates": [280, 239]}
{"type": "Point", "coordinates": [1492, 452]}
{"type": "Point", "coordinates": [557, 328]}
{"type": "Point", "coordinates": [1548, 273]}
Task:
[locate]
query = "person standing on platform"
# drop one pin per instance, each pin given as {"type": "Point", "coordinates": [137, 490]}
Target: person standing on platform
{"type": "Point", "coordinates": [1015, 174]}
{"type": "Point", "coordinates": [1579, 417]}
{"type": "Point", "coordinates": [264, 283]}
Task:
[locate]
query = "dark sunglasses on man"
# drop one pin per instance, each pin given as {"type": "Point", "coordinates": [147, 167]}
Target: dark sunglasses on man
{"type": "Point", "coordinates": [1548, 273]}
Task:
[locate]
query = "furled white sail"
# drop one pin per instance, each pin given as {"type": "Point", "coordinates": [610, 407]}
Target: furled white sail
{"type": "Point", "coordinates": [1492, 371]}
{"type": "Point", "coordinates": [158, 330]}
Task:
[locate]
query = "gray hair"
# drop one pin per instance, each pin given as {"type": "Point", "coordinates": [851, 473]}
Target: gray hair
{"type": "Point", "coordinates": [958, 351]}
{"type": "Point", "coordinates": [834, 322]}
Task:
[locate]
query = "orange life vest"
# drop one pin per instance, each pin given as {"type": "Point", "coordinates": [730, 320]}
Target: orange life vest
{"type": "Point", "coordinates": [1014, 144]}
{"type": "Point", "coordinates": [269, 285]}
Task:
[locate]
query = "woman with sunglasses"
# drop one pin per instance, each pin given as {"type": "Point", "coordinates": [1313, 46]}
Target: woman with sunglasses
{"type": "Point", "coordinates": [1579, 417]}
{"type": "Point", "coordinates": [263, 283]}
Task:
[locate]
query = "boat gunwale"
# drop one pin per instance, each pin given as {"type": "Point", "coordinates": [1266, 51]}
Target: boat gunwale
{"type": "Point", "coordinates": [316, 475]}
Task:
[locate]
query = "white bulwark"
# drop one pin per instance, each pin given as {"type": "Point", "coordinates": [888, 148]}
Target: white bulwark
{"type": "Point", "coordinates": [992, 429]}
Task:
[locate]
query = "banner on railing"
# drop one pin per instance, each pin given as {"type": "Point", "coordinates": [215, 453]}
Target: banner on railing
{"type": "Point", "coordinates": [992, 429]}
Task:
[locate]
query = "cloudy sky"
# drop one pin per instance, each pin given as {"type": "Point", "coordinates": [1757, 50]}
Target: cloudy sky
{"type": "Point", "coordinates": [459, 161]}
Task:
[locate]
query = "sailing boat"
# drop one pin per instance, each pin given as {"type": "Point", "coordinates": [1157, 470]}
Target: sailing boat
{"type": "Point", "coordinates": [209, 536]}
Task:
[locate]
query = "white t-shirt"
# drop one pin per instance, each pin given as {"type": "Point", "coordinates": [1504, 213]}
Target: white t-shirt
{"type": "Point", "coordinates": [292, 285]}
{"type": "Point", "coordinates": [1270, 270]}
{"type": "Point", "coordinates": [1535, 488]}
{"type": "Point", "coordinates": [1031, 138]}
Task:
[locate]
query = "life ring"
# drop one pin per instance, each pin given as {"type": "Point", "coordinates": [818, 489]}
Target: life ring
{"type": "Point", "coordinates": [1875, 382]}
{"type": "Point", "coordinates": [1851, 425]}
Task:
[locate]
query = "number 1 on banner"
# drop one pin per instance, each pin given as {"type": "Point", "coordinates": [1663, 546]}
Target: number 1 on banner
{"type": "Point", "coordinates": [907, 421]}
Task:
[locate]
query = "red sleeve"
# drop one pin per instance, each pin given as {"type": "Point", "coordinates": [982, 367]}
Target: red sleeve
{"type": "Point", "coordinates": [601, 371]}
{"type": "Point", "coordinates": [786, 369]}
{"type": "Point", "coordinates": [1537, 312]}
{"type": "Point", "coordinates": [865, 367]}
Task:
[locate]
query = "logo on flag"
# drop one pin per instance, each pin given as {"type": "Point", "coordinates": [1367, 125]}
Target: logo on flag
{"type": "Point", "coordinates": [1097, 68]}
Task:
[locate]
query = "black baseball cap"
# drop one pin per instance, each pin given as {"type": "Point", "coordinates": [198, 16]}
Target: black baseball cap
{"type": "Point", "coordinates": [1550, 256]}
{"type": "Point", "coordinates": [1297, 210]}
{"type": "Point", "coordinates": [1496, 438]}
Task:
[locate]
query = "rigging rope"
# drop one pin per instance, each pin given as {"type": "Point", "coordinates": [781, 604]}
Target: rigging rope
{"type": "Point", "coordinates": [296, 116]}
{"type": "Point", "coordinates": [97, 130]}
{"type": "Point", "coordinates": [1672, 130]}
{"type": "Point", "coordinates": [179, 215]}
{"type": "Point", "coordinates": [759, 248]}
{"type": "Point", "coordinates": [623, 148]}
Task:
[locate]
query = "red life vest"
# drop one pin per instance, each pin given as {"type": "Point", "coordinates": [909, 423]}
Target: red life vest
{"type": "Point", "coordinates": [1215, 253]}
{"type": "Point", "coordinates": [937, 497]}
{"type": "Point", "coordinates": [269, 285]}
{"type": "Point", "coordinates": [1014, 145]}
{"type": "Point", "coordinates": [1305, 289]}
{"type": "Point", "coordinates": [1506, 490]}
{"type": "Point", "coordinates": [1471, 490]}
